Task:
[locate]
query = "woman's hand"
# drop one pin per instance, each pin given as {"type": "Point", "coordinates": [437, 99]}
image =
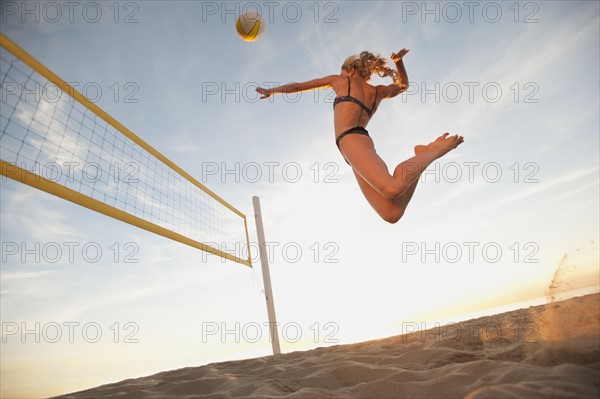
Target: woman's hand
{"type": "Point", "coordinates": [398, 56]}
{"type": "Point", "coordinates": [265, 93]}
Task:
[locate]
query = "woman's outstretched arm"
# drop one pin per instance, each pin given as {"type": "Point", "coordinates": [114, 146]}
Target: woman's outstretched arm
{"type": "Point", "coordinates": [314, 84]}
{"type": "Point", "coordinates": [401, 83]}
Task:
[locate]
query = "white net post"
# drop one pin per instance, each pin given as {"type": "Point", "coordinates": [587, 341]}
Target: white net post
{"type": "Point", "coordinates": [264, 262]}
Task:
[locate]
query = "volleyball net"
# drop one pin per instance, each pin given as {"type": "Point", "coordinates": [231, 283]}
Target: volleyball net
{"type": "Point", "coordinates": [64, 144]}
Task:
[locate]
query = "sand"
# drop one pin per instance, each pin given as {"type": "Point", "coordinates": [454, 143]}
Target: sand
{"type": "Point", "coordinates": [549, 351]}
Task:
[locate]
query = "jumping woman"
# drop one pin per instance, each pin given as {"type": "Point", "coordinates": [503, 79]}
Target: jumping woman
{"type": "Point", "coordinates": [355, 103]}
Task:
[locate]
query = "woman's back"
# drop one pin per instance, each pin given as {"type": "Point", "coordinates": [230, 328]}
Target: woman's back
{"type": "Point", "coordinates": [355, 103]}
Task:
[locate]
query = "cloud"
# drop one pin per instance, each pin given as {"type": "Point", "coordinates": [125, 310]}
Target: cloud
{"type": "Point", "coordinates": [41, 221]}
{"type": "Point", "coordinates": [538, 188]}
{"type": "Point", "coordinates": [12, 276]}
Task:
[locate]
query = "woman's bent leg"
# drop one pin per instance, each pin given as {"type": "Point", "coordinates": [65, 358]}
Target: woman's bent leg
{"type": "Point", "coordinates": [389, 194]}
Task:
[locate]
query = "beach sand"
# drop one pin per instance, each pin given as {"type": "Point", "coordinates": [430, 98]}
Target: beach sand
{"type": "Point", "coordinates": [548, 351]}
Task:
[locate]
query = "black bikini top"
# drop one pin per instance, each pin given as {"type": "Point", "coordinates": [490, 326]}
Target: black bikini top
{"type": "Point", "coordinates": [351, 99]}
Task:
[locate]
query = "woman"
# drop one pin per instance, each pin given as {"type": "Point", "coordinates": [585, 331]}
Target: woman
{"type": "Point", "coordinates": [355, 103]}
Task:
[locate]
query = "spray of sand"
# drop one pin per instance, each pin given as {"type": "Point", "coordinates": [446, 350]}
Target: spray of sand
{"type": "Point", "coordinates": [568, 330]}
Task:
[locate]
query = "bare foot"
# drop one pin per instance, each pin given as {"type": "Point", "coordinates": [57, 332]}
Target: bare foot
{"type": "Point", "coordinates": [445, 143]}
{"type": "Point", "coordinates": [422, 148]}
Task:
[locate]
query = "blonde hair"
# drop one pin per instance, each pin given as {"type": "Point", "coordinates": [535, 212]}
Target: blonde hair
{"type": "Point", "coordinates": [366, 64]}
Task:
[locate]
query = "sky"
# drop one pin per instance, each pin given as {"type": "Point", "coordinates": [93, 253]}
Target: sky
{"type": "Point", "coordinates": [510, 216]}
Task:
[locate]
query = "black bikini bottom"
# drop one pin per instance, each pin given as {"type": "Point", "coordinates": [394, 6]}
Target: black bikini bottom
{"type": "Point", "coordinates": [352, 130]}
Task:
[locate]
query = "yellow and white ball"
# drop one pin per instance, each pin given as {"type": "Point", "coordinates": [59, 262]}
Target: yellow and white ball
{"type": "Point", "coordinates": [250, 26]}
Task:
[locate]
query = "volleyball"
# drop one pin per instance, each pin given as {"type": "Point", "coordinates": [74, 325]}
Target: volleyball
{"type": "Point", "coordinates": [250, 26]}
